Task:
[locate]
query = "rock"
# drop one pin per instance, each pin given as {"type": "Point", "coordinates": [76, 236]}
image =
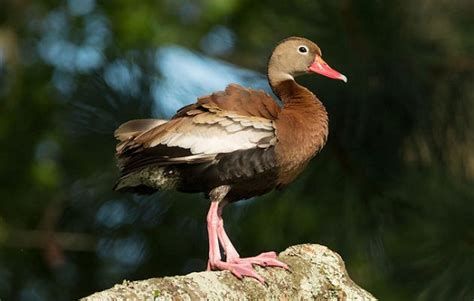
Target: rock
{"type": "Point", "coordinates": [317, 273]}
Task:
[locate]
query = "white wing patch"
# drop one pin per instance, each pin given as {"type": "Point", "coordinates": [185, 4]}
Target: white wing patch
{"type": "Point", "coordinates": [218, 132]}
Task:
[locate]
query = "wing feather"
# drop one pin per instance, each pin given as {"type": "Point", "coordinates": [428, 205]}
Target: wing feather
{"type": "Point", "coordinates": [133, 128]}
{"type": "Point", "coordinates": [232, 120]}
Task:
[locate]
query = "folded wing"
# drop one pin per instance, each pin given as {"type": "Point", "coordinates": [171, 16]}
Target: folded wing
{"type": "Point", "coordinates": [200, 132]}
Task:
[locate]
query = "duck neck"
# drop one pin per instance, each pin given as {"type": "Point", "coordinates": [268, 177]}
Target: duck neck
{"type": "Point", "coordinates": [302, 104]}
{"type": "Point", "coordinates": [294, 95]}
{"type": "Point", "coordinates": [302, 127]}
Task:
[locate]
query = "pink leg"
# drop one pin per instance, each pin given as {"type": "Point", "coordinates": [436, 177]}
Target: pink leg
{"type": "Point", "coordinates": [231, 253]}
{"type": "Point", "coordinates": [264, 259]}
{"type": "Point", "coordinates": [239, 269]}
{"type": "Point", "coordinates": [214, 251]}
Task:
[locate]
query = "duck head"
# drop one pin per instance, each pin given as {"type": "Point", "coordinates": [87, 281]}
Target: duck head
{"type": "Point", "coordinates": [295, 56]}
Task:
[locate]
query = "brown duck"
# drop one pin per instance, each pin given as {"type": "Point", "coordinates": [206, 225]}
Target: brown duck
{"type": "Point", "coordinates": [232, 145]}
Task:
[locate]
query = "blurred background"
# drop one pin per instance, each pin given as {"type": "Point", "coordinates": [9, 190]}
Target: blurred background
{"type": "Point", "coordinates": [392, 192]}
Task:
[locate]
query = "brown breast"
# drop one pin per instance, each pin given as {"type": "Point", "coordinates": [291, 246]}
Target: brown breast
{"type": "Point", "coordinates": [301, 128]}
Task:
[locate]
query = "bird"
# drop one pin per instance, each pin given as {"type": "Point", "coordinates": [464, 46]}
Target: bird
{"type": "Point", "coordinates": [232, 145]}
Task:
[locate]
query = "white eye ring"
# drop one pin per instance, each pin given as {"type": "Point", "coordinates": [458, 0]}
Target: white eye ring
{"type": "Point", "coordinates": [303, 49]}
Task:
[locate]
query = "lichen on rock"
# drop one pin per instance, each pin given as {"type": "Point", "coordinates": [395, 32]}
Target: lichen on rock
{"type": "Point", "coordinates": [317, 273]}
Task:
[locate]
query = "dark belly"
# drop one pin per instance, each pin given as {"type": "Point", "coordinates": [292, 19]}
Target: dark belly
{"type": "Point", "coordinates": [249, 173]}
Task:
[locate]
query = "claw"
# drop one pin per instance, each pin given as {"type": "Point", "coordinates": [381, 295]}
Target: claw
{"type": "Point", "coordinates": [240, 270]}
{"type": "Point", "coordinates": [242, 267]}
{"type": "Point", "coordinates": [267, 259]}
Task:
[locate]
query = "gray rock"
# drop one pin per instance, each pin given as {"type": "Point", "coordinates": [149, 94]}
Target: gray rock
{"type": "Point", "coordinates": [317, 273]}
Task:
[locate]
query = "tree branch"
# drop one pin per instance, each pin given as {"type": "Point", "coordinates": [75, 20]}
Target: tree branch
{"type": "Point", "coordinates": [317, 274]}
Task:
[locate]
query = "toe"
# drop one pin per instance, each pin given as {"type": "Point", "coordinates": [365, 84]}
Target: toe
{"type": "Point", "coordinates": [239, 270]}
{"type": "Point", "coordinates": [270, 254]}
{"type": "Point", "coordinates": [265, 262]}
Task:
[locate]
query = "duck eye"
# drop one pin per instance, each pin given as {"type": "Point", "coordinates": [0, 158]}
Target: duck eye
{"type": "Point", "coordinates": [303, 49]}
